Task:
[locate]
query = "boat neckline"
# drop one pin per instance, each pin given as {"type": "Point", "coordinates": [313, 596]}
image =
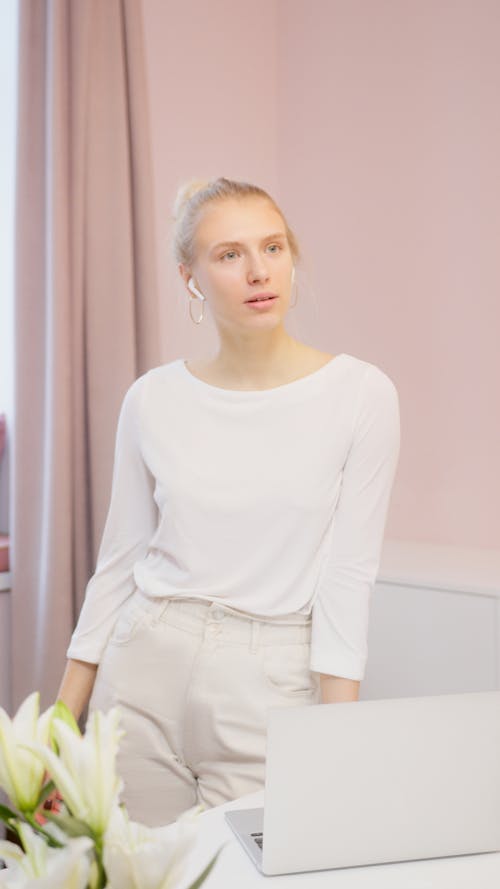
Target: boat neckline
{"type": "Point", "coordinates": [284, 387]}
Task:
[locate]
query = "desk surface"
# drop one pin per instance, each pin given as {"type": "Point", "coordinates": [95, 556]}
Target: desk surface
{"type": "Point", "coordinates": [234, 868]}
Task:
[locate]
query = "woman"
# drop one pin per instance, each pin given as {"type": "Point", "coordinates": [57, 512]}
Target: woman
{"type": "Point", "coordinates": [246, 490]}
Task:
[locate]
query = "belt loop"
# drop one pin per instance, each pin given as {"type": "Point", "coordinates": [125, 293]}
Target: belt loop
{"type": "Point", "coordinates": [254, 644]}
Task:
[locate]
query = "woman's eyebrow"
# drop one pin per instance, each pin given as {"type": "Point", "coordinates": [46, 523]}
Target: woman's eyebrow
{"type": "Point", "coordinates": [238, 243]}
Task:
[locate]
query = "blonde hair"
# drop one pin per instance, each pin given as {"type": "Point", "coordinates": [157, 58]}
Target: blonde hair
{"type": "Point", "coordinates": [194, 194]}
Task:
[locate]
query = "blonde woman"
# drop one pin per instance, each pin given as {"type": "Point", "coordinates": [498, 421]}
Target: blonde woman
{"type": "Point", "coordinates": [248, 507]}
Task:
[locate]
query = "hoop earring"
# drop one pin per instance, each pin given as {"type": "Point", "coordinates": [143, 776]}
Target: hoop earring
{"type": "Point", "coordinates": [200, 319]}
{"type": "Point", "coordinates": [291, 305]}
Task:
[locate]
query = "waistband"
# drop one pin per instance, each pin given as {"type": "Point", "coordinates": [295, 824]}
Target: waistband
{"type": "Point", "coordinates": [196, 614]}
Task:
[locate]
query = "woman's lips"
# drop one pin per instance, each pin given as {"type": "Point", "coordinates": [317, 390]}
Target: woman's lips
{"type": "Point", "coordinates": [262, 303]}
{"type": "Point", "coordinates": [261, 294]}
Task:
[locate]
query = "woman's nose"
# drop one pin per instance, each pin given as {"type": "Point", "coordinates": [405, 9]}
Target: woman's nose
{"type": "Point", "coordinates": [258, 270]}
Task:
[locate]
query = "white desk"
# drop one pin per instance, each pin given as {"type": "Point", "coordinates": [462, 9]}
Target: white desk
{"type": "Point", "coordinates": [234, 869]}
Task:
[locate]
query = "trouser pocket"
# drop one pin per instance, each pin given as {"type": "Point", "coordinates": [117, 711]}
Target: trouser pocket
{"type": "Point", "coordinates": [285, 668]}
{"type": "Point", "coordinates": [136, 612]}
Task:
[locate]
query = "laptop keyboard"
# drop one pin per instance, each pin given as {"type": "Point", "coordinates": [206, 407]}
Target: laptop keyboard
{"type": "Point", "coordinates": [259, 838]}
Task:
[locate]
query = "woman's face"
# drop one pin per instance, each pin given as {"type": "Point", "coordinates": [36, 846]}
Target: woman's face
{"type": "Point", "coordinates": [241, 251]}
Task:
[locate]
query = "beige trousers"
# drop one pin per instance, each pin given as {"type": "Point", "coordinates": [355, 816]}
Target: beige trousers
{"type": "Point", "coordinates": [194, 681]}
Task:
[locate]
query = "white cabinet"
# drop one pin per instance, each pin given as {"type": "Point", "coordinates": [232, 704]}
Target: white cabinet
{"type": "Point", "coordinates": [434, 622]}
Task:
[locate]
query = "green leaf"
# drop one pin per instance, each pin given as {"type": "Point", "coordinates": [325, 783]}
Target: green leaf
{"type": "Point", "coordinates": [44, 793]}
{"type": "Point", "coordinates": [7, 814]}
{"type": "Point", "coordinates": [71, 826]}
{"type": "Point", "coordinates": [204, 874]}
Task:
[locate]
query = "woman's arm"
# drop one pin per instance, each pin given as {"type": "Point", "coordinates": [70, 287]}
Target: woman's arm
{"type": "Point", "coordinates": [130, 525]}
{"type": "Point", "coordinates": [76, 686]}
{"type": "Point", "coordinates": [340, 612]}
{"type": "Point", "coordinates": [335, 689]}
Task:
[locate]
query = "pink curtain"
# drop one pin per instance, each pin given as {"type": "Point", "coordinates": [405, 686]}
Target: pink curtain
{"type": "Point", "coordinates": [86, 322]}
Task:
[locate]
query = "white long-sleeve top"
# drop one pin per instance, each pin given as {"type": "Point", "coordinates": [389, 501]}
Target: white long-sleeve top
{"type": "Point", "coordinates": [269, 501]}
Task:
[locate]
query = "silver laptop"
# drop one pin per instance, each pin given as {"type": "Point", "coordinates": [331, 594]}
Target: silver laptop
{"type": "Point", "coordinates": [372, 782]}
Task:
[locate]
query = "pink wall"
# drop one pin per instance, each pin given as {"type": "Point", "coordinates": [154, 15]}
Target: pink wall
{"type": "Point", "coordinates": [213, 83]}
{"type": "Point", "coordinates": [377, 127]}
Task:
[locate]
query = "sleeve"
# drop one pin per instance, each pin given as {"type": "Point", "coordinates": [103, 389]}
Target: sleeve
{"type": "Point", "coordinates": [130, 524]}
{"type": "Point", "coordinates": [341, 607]}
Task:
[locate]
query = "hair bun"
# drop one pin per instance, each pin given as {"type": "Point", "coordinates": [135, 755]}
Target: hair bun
{"type": "Point", "coordinates": [185, 192]}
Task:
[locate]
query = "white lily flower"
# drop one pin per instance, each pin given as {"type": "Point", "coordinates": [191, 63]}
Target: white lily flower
{"type": "Point", "coordinates": [21, 772]}
{"type": "Point", "coordinates": [84, 772]}
{"type": "Point", "coordinates": [140, 857]}
{"type": "Point", "coordinates": [42, 867]}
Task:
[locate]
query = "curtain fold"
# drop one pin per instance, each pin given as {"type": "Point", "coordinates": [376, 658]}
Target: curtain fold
{"type": "Point", "coordinates": [86, 314]}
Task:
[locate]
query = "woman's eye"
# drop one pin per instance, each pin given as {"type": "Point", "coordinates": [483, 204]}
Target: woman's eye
{"type": "Point", "coordinates": [277, 248]}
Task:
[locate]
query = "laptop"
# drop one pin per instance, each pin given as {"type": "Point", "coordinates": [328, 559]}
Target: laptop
{"type": "Point", "coordinates": [378, 781]}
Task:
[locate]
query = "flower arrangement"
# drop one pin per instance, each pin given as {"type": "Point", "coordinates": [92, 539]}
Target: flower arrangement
{"type": "Point", "coordinates": [90, 842]}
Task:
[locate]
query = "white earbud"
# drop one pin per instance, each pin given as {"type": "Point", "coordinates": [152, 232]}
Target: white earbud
{"type": "Point", "coordinates": [293, 274]}
{"type": "Point", "coordinates": [195, 290]}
